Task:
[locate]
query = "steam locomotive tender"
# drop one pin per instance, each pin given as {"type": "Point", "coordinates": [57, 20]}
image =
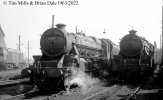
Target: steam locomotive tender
{"type": "Point", "coordinates": [62, 50]}
{"type": "Point", "coordinates": [136, 57]}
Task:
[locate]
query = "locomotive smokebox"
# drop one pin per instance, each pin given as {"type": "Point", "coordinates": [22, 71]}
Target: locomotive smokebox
{"type": "Point", "coordinates": [131, 44]}
{"type": "Point", "coordinates": [53, 41]}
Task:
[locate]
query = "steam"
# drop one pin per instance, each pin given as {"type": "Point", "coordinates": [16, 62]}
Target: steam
{"type": "Point", "coordinates": [158, 58]}
{"type": "Point", "coordinates": [157, 69]}
{"type": "Point", "coordinates": [81, 79]}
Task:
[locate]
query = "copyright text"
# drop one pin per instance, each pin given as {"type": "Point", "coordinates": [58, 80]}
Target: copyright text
{"type": "Point", "coordinates": [53, 2]}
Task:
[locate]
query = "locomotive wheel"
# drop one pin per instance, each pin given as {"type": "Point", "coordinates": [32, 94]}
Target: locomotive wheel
{"type": "Point", "coordinates": [61, 84]}
{"type": "Point", "coordinates": [51, 85]}
{"type": "Point", "coordinates": [41, 86]}
{"type": "Point", "coordinates": [121, 78]}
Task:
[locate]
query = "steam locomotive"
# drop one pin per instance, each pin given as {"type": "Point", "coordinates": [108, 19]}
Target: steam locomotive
{"type": "Point", "coordinates": [62, 50]}
{"type": "Point", "coordinates": [136, 57]}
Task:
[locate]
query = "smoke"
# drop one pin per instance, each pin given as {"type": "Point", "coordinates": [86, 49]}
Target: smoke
{"type": "Point", "coordinates": [82, 80]}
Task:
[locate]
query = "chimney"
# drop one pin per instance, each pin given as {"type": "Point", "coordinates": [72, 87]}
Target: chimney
{"type": "Point", "coordinates": [61, 26]}
{"type": "Point", "coordinates": [132, 32]}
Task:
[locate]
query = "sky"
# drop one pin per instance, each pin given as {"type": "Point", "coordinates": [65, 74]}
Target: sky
{"type": "Point", "coordinates": [117, 17]}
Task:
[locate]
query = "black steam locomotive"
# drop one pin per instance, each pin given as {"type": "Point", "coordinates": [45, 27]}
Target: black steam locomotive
{"type": "Point", "coordinates": [62, 50]}
{"type": "Point", "coordinates": [136, 57]}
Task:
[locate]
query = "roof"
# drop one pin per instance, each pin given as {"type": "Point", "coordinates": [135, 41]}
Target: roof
{"type": "Point", "coordinates": [2, 41]}
{"type": "Point", "coordinates": [1, 32]}
{"type": "Point", "coordinates": [14, 50]}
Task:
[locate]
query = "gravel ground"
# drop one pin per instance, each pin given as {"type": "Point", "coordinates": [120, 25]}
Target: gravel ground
{"type": "Point", "coordinates": [153, 91]}
{"type": "Point", "coordinates": [10, 74]}
{"type": "Point", "coordinates": [153, 94]}
{"type": "Point", "coordinates": [150, 92]}
{"type": "Point", "coordinates": [113, 93]}
{"type": "Point", "coordinates": [75, 94]}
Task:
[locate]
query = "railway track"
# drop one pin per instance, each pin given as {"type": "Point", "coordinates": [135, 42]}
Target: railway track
{"type": "Point", "coordinates": [105, 93]}
{"type": "Point", "coordinates": [109, 93]}
{"type": "Point", "coordinates": [54, 96]}
{"type": "Point", "coordinates": [115, 93]}
{"type": "Point", "coordinates": [8, 83]}
{"type": "Point", "coordinates": [36, 95]}
{"type": "Point", "coordinates": [134, 95]}
{"type": "Point", "coordinates": [17, 97]}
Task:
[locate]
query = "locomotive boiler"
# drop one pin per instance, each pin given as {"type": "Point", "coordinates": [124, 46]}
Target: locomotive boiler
{"type": "Point", "coordinates": [136, 56]}
{"type": "Point", "coordinates": [62, 50]}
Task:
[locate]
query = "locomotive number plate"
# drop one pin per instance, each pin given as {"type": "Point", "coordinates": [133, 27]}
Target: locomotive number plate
{"type": "Point", "coordinates": [52, 38]}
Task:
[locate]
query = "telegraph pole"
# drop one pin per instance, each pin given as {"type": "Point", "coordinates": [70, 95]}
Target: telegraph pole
{"type": "Point", "coordinates": [53, 21]}
{"type": "Point", "coordinates": [28, 52]}
{"type": "Point", "coordinates": [160, 41]}
{"type": "Point", "coordinates": [76, 28]}
{"type": "Point", "coordinates": [104, 31]}
{"type": "Point", "coordinates": [162, 36]}
{"type": "Point", "coordinates": [19, 43]}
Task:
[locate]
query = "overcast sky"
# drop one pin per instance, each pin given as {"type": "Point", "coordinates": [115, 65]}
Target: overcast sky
{"type": "Point", "coordinates": [91, 16]}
